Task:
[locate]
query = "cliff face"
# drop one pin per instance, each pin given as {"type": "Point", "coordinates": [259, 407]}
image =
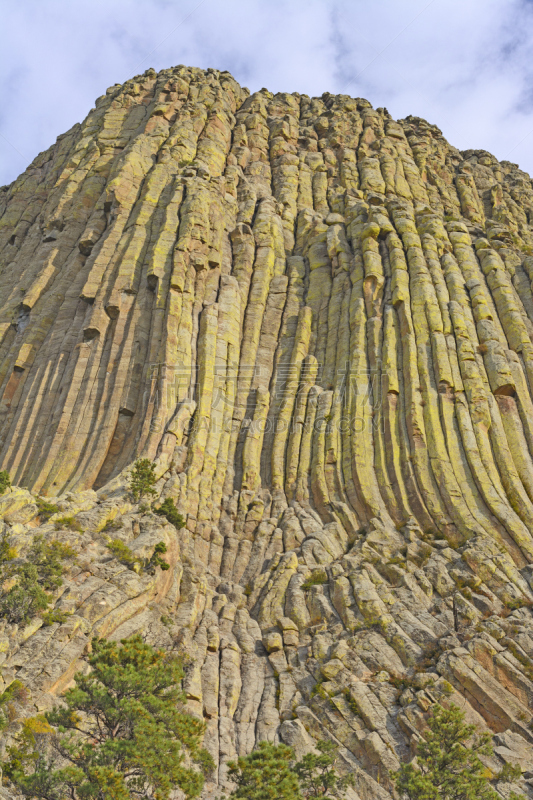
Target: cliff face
{"type": "Point", "coordinates": [319, 323]}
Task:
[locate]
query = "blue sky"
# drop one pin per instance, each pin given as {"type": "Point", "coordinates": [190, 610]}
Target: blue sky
{"type": "Point", "coordinates": [465, 65]}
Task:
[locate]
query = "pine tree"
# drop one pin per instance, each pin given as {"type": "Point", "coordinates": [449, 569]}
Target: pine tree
{"type": "Point", "coordinates": [317, 775]}
{"type": "Point", "coordinates": [168, 509]}
{"type": "Point", "coordinates": [32, 579]}
{"type": "Point", "coordinates": [122, 733]}
{"type": "Point", "coordinates": [142, 479]}
{"type": "Point", "coordinates": [265, 774]}
{"type": "Point", "coordinates": [447, 763]}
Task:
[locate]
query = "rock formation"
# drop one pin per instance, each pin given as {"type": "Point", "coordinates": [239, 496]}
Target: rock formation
{"type": "Point", "coordinates": [318, 322]}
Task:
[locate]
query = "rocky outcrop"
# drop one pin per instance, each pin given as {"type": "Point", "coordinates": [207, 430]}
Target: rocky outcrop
{"type": "Point", "coordinates": [318, 322]}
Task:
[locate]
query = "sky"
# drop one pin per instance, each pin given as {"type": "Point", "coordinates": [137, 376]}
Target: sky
{"type": "Point", "coordinates": [464, 65]}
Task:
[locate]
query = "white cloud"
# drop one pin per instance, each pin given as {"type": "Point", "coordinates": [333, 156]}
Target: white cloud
{"type": "Point", "coordinates": [465, 65]}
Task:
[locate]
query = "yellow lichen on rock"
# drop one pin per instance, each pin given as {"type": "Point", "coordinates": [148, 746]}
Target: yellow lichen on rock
{"type": "Point", "coordinates": [317, 322]}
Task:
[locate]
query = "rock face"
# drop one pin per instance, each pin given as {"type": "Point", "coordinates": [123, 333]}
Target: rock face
{"type": "Point", "coordinates": [319, 323]}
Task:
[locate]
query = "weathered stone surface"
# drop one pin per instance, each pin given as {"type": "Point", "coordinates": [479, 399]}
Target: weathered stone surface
{"type": "Point", "coordinates": [318, 322]}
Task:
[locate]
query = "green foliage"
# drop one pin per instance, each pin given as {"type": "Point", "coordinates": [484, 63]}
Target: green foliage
{"type": "Point", "coordinates": [31, 580]}
{"type": "Point", "coordinates": [46, 509]}
{"type": "Point", "coordinates": [317, 775]}
{"type": "Point", "coordinates": [5, 481]}
{"type": "Point", "coordinates": [270, 774]}
{"type": "Point", "coordinates": [352, 702]}
{"type": "Point", "coordinates": [26, 599]}
{"type": "Point", "coordinates": [121, 733]}
{"type": "Point", "coordinates": [316, 579]}
{"type": "Point", "coordinates": [156, 560]}
{"type": "Point", "coordinates": [113, 524]}
{"type": "Point", "coordinates": [70, 523]}
{"type": "Point", "coordinates": [142, 479]}
{"type": "Point", "coordinates": [265, 774]}
{"type": "Point", "coordinates": [15, 694]}
{"type": "Point", "coordinates": [400, 682]}
{"type": "Point", "coordinates": [34, 729]}
{"type": "Point", "coordinates": [15, 691]}
{"type": "Point", "coordinates": [509, 772]}
{"type": "Point", "coordinates": [168, 509]}
{"type": "Point", "coordinates": [518, 602]}
{"type": "Point", "coordinates": [125, 555]}
{"type": "Point", "coordinates": [318, 690]}
{"type": "Point", "coordinates": [448, 765]}
{"type": "Point", "coordinates": [47, 557]}
{"type": "Point", "coordinates": [55, 615]}
{"type": "Point", "coordinates": [7, 551]}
